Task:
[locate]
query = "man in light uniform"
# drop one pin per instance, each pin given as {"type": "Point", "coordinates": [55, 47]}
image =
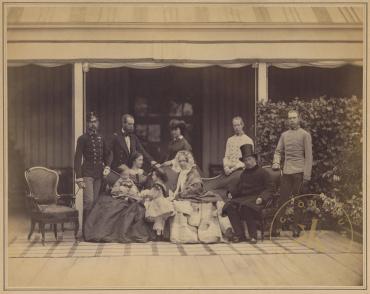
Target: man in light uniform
{"type": "Point", "coordinates": [296, 145]}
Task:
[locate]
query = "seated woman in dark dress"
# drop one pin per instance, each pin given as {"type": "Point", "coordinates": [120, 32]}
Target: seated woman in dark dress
{"type": "Point", "coordinates": [119, 216]}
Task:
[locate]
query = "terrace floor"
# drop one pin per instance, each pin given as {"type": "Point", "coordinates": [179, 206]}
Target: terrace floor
{"type": "Point", "coordinates": [327, 260]}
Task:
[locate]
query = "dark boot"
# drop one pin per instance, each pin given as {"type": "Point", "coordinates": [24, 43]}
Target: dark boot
{"type": "Point", "coordinates": [296, 231]}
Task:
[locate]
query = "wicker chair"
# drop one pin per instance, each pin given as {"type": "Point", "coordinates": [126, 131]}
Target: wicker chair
{"type": "Point", "coordinates": [43, 202]}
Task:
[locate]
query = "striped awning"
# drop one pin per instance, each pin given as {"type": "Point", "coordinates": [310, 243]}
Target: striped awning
{"type": "Point", "coordinates": [184, 32]}
{"type": "Point", "coordinates": [182, 13]}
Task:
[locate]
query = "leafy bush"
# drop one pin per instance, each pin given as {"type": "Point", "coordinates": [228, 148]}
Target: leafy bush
{"type": "Point", "coordinates": [335, 125]}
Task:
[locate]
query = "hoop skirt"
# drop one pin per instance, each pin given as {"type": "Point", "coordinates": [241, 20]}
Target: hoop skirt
{"type": "Point", "coordinates": [118, 220]}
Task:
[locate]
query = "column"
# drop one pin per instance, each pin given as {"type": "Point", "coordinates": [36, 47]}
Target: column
{"type": "Point", "coordinates": [78, 123]}
{"type": "Point", "coordinates": [262, 82]}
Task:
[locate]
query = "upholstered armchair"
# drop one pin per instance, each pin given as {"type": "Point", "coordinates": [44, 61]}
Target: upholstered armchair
{"type": "Point", "coordinates": [43, 202]}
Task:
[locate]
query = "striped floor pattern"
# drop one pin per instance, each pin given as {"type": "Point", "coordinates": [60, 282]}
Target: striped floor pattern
{"type": "Point", "coordinates": [65, 247]}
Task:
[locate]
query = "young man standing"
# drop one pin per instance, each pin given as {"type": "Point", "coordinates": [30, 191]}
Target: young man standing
{"type": "Point", "coordinates": [296, 146]}
{"type": "Point", "coordinates": [231, 160]}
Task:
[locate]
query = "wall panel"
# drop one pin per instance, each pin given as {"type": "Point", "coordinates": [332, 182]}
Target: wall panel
{"type": "Point", "coordinates": [40, 111]}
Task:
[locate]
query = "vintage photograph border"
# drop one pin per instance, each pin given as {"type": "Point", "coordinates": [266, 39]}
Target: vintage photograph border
{"type": "Point", "coordinates": [4, 136]}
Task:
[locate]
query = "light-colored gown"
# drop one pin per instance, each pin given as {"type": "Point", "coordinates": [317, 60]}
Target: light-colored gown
{"type": "Point", "coordinates": [197, 212]}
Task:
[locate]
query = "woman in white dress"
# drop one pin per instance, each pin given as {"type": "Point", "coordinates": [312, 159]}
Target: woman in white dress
{"type": "Point", "coordinates": [197, 212]}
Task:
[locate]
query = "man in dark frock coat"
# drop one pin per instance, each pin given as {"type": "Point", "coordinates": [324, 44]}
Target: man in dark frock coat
{"type": "Point", "coordinates": [254, 189]}
{"type": "Point", "coordinates": [125, 143]}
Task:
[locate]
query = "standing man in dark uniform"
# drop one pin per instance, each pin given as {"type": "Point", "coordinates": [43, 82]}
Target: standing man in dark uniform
{"type": "Point", "coordinates": [125, 143]}
{"type": "Point", "coordinates": [254, 189]}
{"type": "Point", "coordinates": [92, 149]}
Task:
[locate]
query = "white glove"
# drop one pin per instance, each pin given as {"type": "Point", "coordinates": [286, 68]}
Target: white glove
{"type": "Point", "coordinates": [106, 171]}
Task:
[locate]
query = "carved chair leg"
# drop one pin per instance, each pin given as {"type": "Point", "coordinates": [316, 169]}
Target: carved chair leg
{"type": "Point", "coordinates": [32, 229]}
{"type": "Point", "coordinates": [42, 228]}
{"type": "Point", "coordinates": [63, 228]}
{"type": "Point", "coordinates": [55, 231]}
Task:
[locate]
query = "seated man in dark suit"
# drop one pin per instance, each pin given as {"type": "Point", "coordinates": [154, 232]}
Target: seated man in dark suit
{"type": "Point", "coordinates": [255, 187]}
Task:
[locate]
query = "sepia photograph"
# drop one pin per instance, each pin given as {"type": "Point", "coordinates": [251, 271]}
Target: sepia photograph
{"type": "Point", "coordinates": [188, 145]}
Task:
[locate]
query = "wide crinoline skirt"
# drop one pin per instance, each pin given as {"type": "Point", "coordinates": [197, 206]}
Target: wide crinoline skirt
{"type": "Point", "coordinates": [117, 220]}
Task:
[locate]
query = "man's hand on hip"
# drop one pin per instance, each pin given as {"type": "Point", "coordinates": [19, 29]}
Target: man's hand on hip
{"type": "Point", "coordinates": [81, 184]}
{"type": "Point", "coordinates": [305, 186]}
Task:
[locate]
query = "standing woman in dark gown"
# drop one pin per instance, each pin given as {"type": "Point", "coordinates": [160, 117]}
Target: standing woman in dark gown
{"type": "Point", "coordinates": [178, 142]}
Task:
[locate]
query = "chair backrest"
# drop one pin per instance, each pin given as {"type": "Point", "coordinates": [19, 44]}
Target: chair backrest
{"type": "Point", "coordinates": [171, 177]}
{"type": "Point", "coordinates": [111, 177]}
{"type": "Point", "coordinates": [42, 183]}
{"type": "Point", "coordinates": [230, 185]}
{"type": "Point", "coordinates": [275, 176]}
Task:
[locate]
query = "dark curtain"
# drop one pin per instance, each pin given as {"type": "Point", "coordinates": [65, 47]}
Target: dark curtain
{"type": "Point", "coordinates": [107, 93]}
{"type": "Point", "coordinates": [216, 95]}
{"type": "Point", "coordinates": [39, 121]}
{"type": "Point", "coordinates": [113, 92]}
{"type": "Point", "coordinates": [312, 82]}
{"type": "Point", "coordinates": [226, 93]}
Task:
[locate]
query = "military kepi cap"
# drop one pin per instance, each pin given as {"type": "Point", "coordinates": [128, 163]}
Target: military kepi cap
{"type": "Point", "coordinates": [91, 116]}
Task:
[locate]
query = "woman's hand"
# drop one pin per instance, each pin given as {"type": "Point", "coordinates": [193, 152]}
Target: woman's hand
{"type": "Point", "coordinates": [167, 163]}
{"type": "Point", "coordinates": [156, 164]}
{"type": "Point", "coordinates": [259, 201]}
{"type": "Point", "coordinates": [171, 195]}
{"type": "Point", "coordinates": [227, 170]}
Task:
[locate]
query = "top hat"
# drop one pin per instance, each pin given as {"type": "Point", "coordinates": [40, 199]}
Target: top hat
{"type": "Point", "coordinates": [247, 150]}
{"type": "Point", "coordinates": [91, 116]}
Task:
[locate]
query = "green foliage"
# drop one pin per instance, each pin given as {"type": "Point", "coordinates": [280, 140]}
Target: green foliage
{"type": "Point", "coordinates": [335, 125]}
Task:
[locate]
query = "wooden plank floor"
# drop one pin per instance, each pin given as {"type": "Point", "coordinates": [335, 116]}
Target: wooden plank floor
{"type": "Point", "coordinates": [282, 262]}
